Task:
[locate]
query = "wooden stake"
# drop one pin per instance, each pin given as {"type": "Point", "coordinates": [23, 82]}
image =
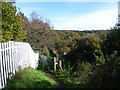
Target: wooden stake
{"type": "Point", "coordinates": [54, 63]}
{"type": "Point", "coordinates": [60, 64]}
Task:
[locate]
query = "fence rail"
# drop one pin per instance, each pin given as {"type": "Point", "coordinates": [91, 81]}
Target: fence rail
{"type": "Point", "coordinates": [14, 56]}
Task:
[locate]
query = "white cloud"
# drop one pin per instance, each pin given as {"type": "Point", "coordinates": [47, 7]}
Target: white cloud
{"type": "Point", "coordinates": [103, 19]}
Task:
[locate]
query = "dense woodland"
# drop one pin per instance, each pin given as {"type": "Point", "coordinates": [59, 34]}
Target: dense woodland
{"type": "Point", "coordinates": [90, 58]}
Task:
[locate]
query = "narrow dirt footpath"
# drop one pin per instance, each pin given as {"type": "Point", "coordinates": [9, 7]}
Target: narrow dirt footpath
{"type": "Point", "coordinates": [59, 82]}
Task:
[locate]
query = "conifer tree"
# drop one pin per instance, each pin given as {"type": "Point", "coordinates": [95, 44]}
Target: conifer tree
{"type": "Point", "coordinates": [12, 28]}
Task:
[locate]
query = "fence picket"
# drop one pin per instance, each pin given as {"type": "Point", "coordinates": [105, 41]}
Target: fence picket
{"type": "Point", "coordinates": [14, 56]}
{"type": "Point", "coordinates": [1, 69]}
{"type": "Point", "coordinates": [8, 70]}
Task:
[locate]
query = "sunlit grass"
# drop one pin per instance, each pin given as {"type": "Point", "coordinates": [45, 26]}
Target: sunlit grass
{"type": "Point", "coordinates": [30, 78]}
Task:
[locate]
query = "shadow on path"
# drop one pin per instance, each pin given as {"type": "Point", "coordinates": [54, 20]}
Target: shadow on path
{"type": "Point", "coordinates": [59, 82]}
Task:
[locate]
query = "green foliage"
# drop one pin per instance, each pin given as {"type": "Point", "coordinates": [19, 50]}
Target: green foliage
{"type": "Point", "coordinates": [83, 68]}
{"type": "Point", "coordinates": [105, 67]}
{"type": "Point", "coordinates": [68, 70]}
{"type": "Point", "coordinates": [75, 79]}
{"type": "Point", "coordinates": [11, 23]}
{"type": "Point", "coordinates": [90, 57]}
{"type": "Point", "coordinates": [100, 58]}
{"type": "Point", "coordinates": [106, 75]}
{"type": "Point", "coordinates": [112, 42]}
{"type": "Point", "coordinates": [84, 50]}
{"type": "Point", "coordinates": [30, 78]}
{"type": "Point", "coordinates": [82, 73]}
{"type": "Point", "coordinates": [48, 66]}
{"type": "Point", "coordinates": [113, 55]}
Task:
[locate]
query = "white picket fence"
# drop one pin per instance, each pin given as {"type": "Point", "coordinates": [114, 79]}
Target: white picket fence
{"type": "Point", "coordinates": [14, 56]}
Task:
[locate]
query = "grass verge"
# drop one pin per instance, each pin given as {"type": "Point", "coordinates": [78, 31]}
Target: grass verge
{"type": "Point", "coordinates": [30, 78]}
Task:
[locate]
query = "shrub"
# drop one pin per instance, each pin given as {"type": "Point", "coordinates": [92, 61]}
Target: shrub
{"type": "Point", "coordinates": [100, 58]}
{"type": "Point", "coordinates": [48, 65]}
{"type": "Point", "coordinates": [106, 75]}
{"type": "Point", "coordinates": [83, 71]}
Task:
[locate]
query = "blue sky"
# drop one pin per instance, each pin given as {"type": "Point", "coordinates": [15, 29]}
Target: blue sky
{"type": "Point", "coordinates": [74, 15]}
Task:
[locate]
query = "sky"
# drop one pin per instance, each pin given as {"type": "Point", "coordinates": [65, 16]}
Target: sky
{"type": "Point", "coordinates": [74, 15]}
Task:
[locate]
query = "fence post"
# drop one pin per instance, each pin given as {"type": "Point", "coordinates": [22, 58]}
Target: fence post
{"type": "Point", "coordinates": [54, 63]}
{"type": "Point", "coordinates": [60, 64]}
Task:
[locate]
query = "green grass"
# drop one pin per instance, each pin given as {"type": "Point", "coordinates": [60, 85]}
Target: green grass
{"type": "Point", "coordinates": [69, 81]}
{"type": "Point", "coordinates": [30, 78]}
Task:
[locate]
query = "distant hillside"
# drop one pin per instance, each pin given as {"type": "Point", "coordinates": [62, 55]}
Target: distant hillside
{"type": "Point", "coordinates": [58, 40]}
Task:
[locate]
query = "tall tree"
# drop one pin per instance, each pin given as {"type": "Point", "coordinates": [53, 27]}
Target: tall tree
{"type": "Point", "coordinates": [12, 28]}
{"type": "Point", "coordinates": [39, 32]}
